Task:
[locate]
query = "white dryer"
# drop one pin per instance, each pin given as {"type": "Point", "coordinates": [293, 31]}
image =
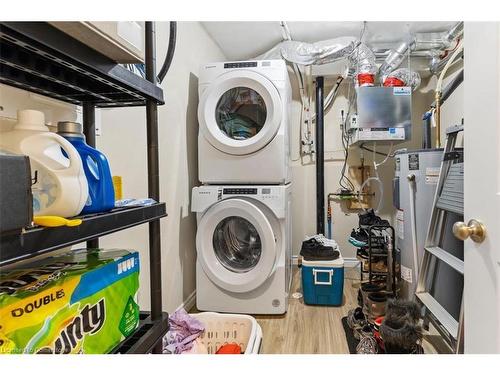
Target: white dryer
{"type": "Point", "coordinates": [243, 244]}
{"type": "Point", "coordinates": [243, 116]}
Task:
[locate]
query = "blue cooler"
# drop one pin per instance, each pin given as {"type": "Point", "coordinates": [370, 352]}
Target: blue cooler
{"type": "Point", "coordinates": [323, 282]}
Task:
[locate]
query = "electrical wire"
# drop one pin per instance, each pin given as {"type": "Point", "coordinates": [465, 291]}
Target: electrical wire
{"type": "Point", "coordinates": [330, 98]}
{"type": "Point", "coordinates": [363, 147]}
{"type": "Point", "coordinates": [386, 158]}
{"type": "Point", "coordinates": [344, 181]}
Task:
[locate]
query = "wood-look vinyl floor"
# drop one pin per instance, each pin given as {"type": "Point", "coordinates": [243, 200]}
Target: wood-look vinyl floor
{"type": "Point", "coordinates": [308, 329]}
{"type": "Point", "coordinates": [316, 329]}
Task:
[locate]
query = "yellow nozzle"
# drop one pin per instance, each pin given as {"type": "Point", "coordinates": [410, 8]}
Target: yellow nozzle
{"type": "Point", "coordinates": [55, 221]}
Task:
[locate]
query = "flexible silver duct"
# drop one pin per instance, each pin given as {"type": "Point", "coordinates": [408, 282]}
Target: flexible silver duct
{"type": "Point", "coordinates": [421, 42]}
{"type": "Point", "coordinates": [409, 77]}
{"type": "Point", "coordinates": [362, 60]}
{"type": "Point", "coordinates": [322, 52]}
{"type": "Point", "coordinates": [437, 64]}
{"type": "Point", "coordinates": [394, 59]}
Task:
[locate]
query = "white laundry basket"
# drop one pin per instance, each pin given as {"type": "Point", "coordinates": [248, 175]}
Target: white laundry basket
{"type": "Point", "coordinates": [223, 329]}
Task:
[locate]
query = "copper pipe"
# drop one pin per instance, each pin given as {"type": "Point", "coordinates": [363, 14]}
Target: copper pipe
{"type": "Point", "coordinates": [438, 119]}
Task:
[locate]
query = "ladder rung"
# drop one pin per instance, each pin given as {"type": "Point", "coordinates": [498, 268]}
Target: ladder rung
{"type": "Point", "coordinates": [452, 261]}
{"type": "Point", "coordinates": [454, 129]}
{"type": "Point", "coordinates": [443, 316]}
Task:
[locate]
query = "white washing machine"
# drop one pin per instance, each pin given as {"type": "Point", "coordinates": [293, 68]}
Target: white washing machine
{"type": "Point", "coordinates": [243, 115]}
{"type": "Point", "coordinates": [243, 243]}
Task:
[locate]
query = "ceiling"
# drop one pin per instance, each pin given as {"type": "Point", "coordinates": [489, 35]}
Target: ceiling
{"type": "Point", "coordinates": [245, 40]}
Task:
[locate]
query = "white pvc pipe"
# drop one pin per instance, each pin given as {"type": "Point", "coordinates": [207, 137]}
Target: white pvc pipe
{"type": "Point", "coordinates": [445, 69]}
{"type": "Point", "coordinates": [413, 218]}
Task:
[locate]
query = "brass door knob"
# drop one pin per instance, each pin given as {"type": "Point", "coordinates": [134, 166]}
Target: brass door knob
{"type": "Point", "coordinates": [474, 229]}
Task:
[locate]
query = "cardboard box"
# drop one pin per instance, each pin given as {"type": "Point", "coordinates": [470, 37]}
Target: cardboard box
{"type": "Point", "coordinates": [122, 42]}
{"type": "Point", "coordinates": [79, 302]}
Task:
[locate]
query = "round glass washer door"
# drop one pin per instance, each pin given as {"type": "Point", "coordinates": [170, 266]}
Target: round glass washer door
{"type": "Point", "coordinates": [236, 245]}
{"type": "Point", "coordinates": [240, 112]}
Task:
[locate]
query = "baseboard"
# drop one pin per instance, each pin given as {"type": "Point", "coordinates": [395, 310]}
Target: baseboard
{"type": "Point", "coordinates": [189, 302]}
{"type": "Point", "coordinates": [351, 262]}
{"type": "Point", "coordinates": [348, 262]}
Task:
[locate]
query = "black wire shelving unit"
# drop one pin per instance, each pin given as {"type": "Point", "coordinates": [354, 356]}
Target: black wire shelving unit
{"type": "Point", "coordinates": [379, 248]}
{"type": "Point", "coordinates": [37, 57]}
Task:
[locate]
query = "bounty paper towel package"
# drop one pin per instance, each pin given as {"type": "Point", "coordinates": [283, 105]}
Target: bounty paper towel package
{"type": "Point", "coordinates": [83, 301]}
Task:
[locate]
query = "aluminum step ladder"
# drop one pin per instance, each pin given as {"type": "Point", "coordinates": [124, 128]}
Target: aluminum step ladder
{"type": "Point", "coordinates": [449, 198]}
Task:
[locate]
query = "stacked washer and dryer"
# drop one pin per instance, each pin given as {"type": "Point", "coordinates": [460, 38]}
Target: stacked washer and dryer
{"type": "Point", "coordinates": [243, 242]}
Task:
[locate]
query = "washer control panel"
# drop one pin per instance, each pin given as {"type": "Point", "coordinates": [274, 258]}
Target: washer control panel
{"type": "Point", "coordinates": [239, 191]}
{"type": "Point", "coordinates": [248, 64]}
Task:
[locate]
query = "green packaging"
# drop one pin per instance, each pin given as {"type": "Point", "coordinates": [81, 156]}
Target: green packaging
{"type": "Point", "coordinates": [84, 301]}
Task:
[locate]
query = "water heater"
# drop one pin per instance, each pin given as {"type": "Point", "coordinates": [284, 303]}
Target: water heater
{"type": "Point", "coordinates": [424, 165]}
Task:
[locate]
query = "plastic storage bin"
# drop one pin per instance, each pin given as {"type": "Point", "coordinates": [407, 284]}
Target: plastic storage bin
{"type": "Point", "coordinates": [323, 282]}
{"type": "Point", "coordinates": [223, 329]}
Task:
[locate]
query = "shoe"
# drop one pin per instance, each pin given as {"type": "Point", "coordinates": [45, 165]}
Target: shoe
{"type": "Point", "coordinates": [312, 250]}
{"type": "Point", "coordinates": [356, 320]}
{"type": "Point", "coordinates": [358, 238]}
{"type": "Point", "coordinates": [379, 266]}
{"type": "Point", "coordinates": [400, 338]}
{"type": "Point", "coordinates": [377, 303]}
{"type": "Point", "coordinates": [381, 222]}
{"type": "Point", "coordinates": [399, 310]}
{"type": "Point", "coordinates": [368, 219]}
{"type": "Point", "coordinates": [360, 298]}
{"type": "Point", "coordinates": [362, 253]}
{"type": "Point", "coordinates": [367, 288]}
{"type": "Point", "coordinates": [401, 331]}
{"type": "Point", "coordinates": [324, 241]}
{"type": "Point", "coordinates": [368, 343]}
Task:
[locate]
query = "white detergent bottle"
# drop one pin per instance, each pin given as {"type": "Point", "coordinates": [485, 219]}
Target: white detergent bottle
{"type": "Point", "coordinates": [59, 183]}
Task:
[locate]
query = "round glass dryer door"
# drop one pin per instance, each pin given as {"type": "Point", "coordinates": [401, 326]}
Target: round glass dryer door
{"type": "Point", "coordinates": [240, 112]}
{"type": "Point", "coordinates": [236, 245]}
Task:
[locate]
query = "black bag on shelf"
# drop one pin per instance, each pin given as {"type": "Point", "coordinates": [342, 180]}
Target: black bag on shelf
{"type": "Point", "coordinates": [16, 200]}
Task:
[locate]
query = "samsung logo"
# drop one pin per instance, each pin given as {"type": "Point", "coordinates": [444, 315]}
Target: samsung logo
{"type": "Point", "coordinates": [204, 192]}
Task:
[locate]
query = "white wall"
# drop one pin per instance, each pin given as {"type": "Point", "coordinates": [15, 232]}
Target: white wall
{"type": "Point", "coordinates": [123, 140]}
{"type": "Point", "coordinates": [304, 174]}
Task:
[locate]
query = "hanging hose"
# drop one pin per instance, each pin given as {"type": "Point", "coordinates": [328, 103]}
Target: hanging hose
{"type": "Point", "coordinates": [170, 52]}
{"type": "Point", "coordinates": [413, 217]}
{"type": "Point", "coordinates": [381, 189]}
{"type": "Point", "coordinates": [376, 178]}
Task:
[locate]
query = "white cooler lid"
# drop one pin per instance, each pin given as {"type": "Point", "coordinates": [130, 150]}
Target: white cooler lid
{"type": "Point", "coordinates": [337, 263]}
